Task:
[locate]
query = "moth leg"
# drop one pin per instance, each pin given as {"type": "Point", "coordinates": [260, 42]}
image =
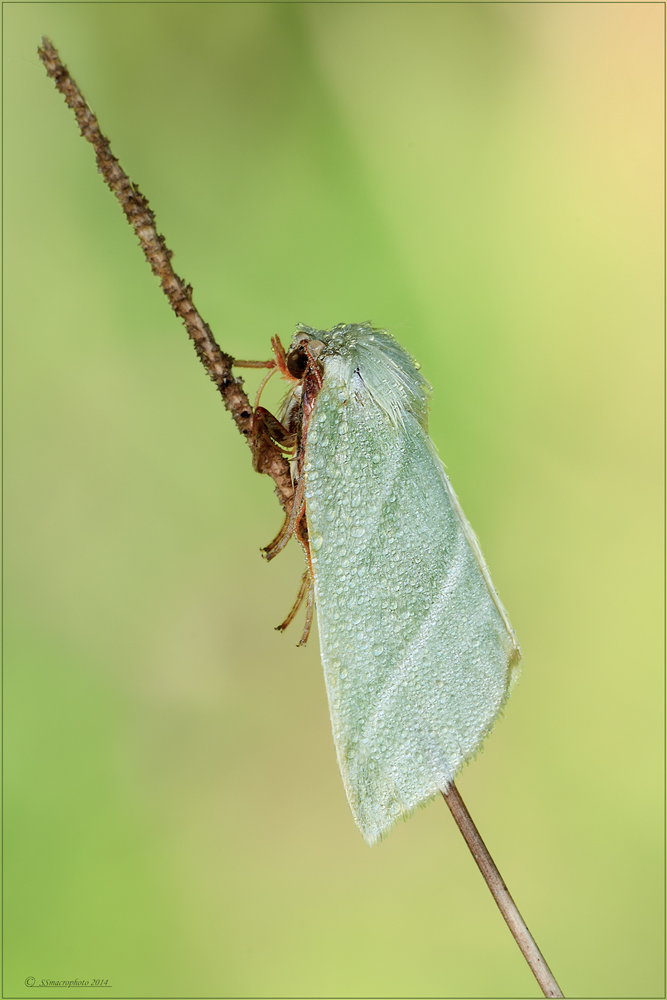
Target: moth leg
{"type": "Point", "coordinates": [290, 523]}
{"type": "Point", "coordinates": [236, 363]}
{"type": "Point", "coordinates": [310, 606]}
{"type": "Point", "coordinates": [268, 550]}
{"type": "Point", "coordinates": [303, 587]}
{"type": "Point", "coordinates": [268, 437]}
{"type": "Point", "coordinates": [279, 360]}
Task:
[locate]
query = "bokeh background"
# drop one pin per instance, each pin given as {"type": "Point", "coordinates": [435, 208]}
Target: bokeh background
{"type": "Point", "coordinates": [485, 181]}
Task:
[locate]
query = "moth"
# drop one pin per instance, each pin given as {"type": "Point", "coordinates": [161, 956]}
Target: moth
{"type": "Point", "coordinates": [418, 652]}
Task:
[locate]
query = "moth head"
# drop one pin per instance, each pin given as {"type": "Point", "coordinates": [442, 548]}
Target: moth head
{"type": "Point", "coordinates": [297, 362]}
{"type": "Point", "coordinates": [302, 353]}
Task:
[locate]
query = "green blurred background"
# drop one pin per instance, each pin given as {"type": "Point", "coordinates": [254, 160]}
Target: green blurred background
{"type": "Point", "coordinates": [485, 181]}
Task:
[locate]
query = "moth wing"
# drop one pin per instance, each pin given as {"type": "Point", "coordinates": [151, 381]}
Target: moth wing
{"type": "Point", "coordinates": [417, 651]}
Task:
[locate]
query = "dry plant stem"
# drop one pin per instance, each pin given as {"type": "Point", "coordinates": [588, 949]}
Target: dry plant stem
{"type": "Point", "coordinates": [219, 368]}
{"type": "Point", "coordinates": [141, 218]}
{"type": "Point", "coordinates": [500, 893]}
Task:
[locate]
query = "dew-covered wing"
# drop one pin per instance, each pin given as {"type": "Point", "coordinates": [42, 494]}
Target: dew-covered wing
{"type": "Point", "coordinates": [416, 648]}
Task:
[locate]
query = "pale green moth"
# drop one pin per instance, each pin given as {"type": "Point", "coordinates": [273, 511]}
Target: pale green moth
{"type": "Point", "coordinates": [418, 653]}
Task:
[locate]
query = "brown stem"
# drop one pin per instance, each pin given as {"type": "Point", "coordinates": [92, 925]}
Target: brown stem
{"type": "Point", "coordinates": [141, 218]}
{"type": "Point", "coordinates": [501, 894]}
